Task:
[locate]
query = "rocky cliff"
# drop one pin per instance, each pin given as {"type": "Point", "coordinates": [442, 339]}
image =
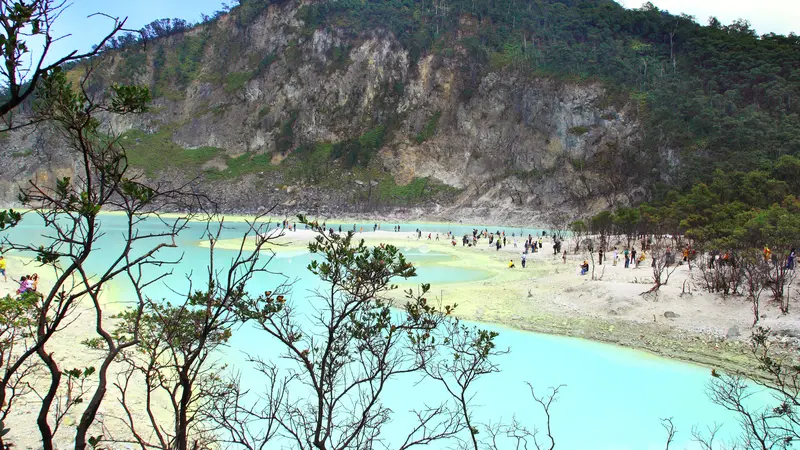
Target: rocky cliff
{"type": "Point", "coordinates": [273, 111]}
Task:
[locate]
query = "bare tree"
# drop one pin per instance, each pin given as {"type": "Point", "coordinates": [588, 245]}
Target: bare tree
{"type": "Point", "coordinates": [578, 229]}
{"type": "Point", "coordinates": [177, 344]}
{"type": "Point", "coordinates": [466, 354]}
{"type": "Point", "coordinates": [349, 353]}
{"type": "Point", "coordinates": [756, 273]}
{"type": "Point", "coordinates": [669, 427]}
{"type": "Point", "coordinates": [662, 265]}
{"type": "Point", "coordinates": [70, 211]}
{"type": "Point", "coordinates": [723, 273]}
{"type": "Point", "coordinates": [779, 277]}
{"type": "Point", "coordinates": [546, 402]}
{"type": "Point", "coordinates": [765, 427]}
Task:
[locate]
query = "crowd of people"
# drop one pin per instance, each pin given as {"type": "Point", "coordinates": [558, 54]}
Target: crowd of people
{"type": "Point", "coordinates": [27, 283]}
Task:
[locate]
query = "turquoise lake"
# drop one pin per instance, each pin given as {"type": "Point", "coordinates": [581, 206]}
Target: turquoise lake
{"type": "Point", "coordinates": [614, 397]}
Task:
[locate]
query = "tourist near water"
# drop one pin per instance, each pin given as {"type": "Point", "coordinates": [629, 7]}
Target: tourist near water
{"type": "Point", "coordinates": [623, 182]}
{"type": "Point", "coordinates": [541, 296]}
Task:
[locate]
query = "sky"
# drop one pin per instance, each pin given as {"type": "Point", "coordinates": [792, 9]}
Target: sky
{"type": "Point", "coordinates": [778, 16]}
{"type": "Point", "coordinates": [765, 16]}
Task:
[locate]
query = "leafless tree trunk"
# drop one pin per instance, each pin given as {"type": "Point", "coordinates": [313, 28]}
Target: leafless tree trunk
{"type": "Point", "coordinates": [70, 212]}
{"type": "Point", "coordinates": [176, 344]}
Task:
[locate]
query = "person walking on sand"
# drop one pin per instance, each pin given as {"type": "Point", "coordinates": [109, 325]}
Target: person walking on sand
{"type": "Point", "coordinates": [616, 257]}
{"type": "Point", "coordinates": [627, 258]}
{"type": "Point", "coordinates": [600, 257]}
{"type": "Point", "coordinates": [524, 259]}
{"type": "Point", "coordinates": [3, 268]}
{"type": "Point", "coordinates": [564, 257]}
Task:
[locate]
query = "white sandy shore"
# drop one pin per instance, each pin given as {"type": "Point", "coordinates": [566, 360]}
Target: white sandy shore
{"type": "Point", "coordinates": [68, 350]}
{"type": "Point", "coordinates": [547, 296]}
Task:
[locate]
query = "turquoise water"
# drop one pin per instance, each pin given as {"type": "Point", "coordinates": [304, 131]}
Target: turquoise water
{"type": "Point", "coordinates": [457, 228]}
{"type": "Point", "coordinates": [614, 397]}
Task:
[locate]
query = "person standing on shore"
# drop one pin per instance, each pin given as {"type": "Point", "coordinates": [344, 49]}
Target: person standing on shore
{"type": "Point", "coordinates": [600, 257]}
{"type": "Point", "coordinates": [564, 257]}
{"type": "Point", "coordinates": [524, 259]}
{"type": "Point", "coordinates": [3, 268]}
{"type": "Point", "coordinates": [616, 257]}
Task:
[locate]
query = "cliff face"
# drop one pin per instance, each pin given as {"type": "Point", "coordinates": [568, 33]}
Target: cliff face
{"type": "Point", "coordinates": [249, 108]}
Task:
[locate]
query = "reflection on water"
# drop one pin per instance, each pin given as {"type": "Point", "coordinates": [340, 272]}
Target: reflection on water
{"type": "Point", "coordinates": [614, 398]}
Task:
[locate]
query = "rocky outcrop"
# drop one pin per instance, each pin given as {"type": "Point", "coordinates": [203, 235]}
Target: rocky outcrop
{"type": "Point", "coordinates": [510, 146]}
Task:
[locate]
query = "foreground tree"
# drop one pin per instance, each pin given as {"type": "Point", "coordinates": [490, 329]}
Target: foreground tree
{"type": "Point", "coordinates": [177, 355]}
{"type": "Point", "coordinates": [69, 210]}
{"type": "Point", "coordinates": [764, 426]}
{"type": "Point", "coordinates": [25, 25]}
{"type": "Point", "coordinates": [344, 356]}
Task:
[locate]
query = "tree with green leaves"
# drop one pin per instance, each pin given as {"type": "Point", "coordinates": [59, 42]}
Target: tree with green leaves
{"type": "Point", "coordinates": [178, 349]}
{"type": "Point", "coordinates": [69, 209]}
{"type": "Point", "coordinates": [351, 350]}
{"type": "Point", "coordinates": [23, 24]}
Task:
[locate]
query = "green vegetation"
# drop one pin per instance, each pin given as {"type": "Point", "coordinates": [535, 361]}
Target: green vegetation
{"type": "Point", "coordinates": [419, 190]}
{"type": "Point", "coordinates": [23, 154]}
{"type": "Point", "coordinates": [155, 153]}
{"type": "Point", "coordinates": [236, 80]}
{"type": "Point", "coordinates": [263, 112]}
{"type": "Point", "coordinates": [312, 163]}
{"type": "Point", "coordinates": [242, 165]}
{"type": "Point", "coordinates": [285, 139]}
{"type": "Point", "coordinates": [134, 63]}
{"type": "Point", "coordinates": [578, 131]}
{"type": "Point", "coordinates": [340, 58]}
{"type": "Point", "coordinates": [180, 63]}
{"type": "Point", "coordinates": [265, 62]}
{"type": "Point", "coordinates": [725, 96]}
{"type": "Point", "coordinates": [737, 210]}
{"type": "Point", "coordinates": [359, 151]}
{"type": "Point", "coordinates": [429, 129]}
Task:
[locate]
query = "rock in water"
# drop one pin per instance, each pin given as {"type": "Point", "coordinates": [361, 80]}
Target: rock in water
{"type": "Point", "coordinates": [733, 332]}
{"type": "Point", "coordinates": [670, 315]}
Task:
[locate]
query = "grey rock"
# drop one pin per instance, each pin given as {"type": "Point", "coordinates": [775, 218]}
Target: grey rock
{"type": "Point", "coordinates": [733, 332]}
{"type": "Point", "coordinates": [670, 315]}
{"type": "Point", "coordinates": [508, 129]}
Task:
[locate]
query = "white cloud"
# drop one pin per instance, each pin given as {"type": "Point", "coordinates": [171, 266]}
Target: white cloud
{"type": "Point", "coordinates": [765, 16]}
